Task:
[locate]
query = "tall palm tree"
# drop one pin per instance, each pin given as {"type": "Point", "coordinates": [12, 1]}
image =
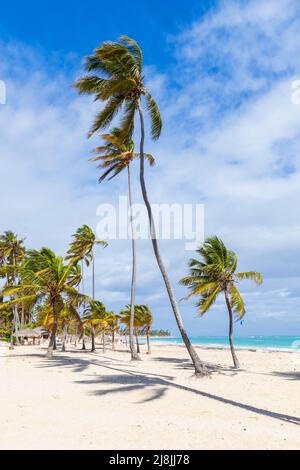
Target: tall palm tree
{"type": "Point", "coordinates": [115, 76]}
{"type": "Point", "coordinates": [82, 249]}
{"type": "Point", "coordinates": [12, 252]}
{"type": "Point", "coordinates": [115, 156]}
{"type": "Point", "coordinates": [213, 273]}
{"type": "Point", "coordinates": [46, 278]}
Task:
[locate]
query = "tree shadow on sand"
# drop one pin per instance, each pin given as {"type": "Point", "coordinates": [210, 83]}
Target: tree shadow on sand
{"type": "Point", "coordinates": [157, 384]}
{"type": "Point", "coordinates": [186, 364]}
{"type": "Point", "coordinates": [293, 375]}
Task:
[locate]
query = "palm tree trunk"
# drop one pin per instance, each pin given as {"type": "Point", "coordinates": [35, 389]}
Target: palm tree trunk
{"type": "Point", "coordinates": [200, 369]}
{"type": "Point", "coordinates": [93, 348]}
{"type": "Point", "coordinates": [137, 341]}
{"type": "Point", "coordinates": [15, 307]}
{"type": "Point", "coordinates": [11, 346]}
{"type": "Point", "coordinates": [234, 357]}
{"type": "Point", "coordinates": [83, 340]}
{"type": "Point", "coordinates": [52, 342]}
{"type": "Point", "coordinates": [148, 341]}
{"type": "Point", "coordinates": [103, 341]}
{"type": "Point", "coordinates": [16, 323]}
{"type": "Point", "coordinates": [22, 321]}
{"type": "Point", "coordinates": [113, 340]}
{"type": "Point", "coordinates": [134, 352]}
{"type": "Point", "coordinates": [63, 348]}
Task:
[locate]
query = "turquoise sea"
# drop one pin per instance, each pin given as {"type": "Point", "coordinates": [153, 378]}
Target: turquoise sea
{"type": "Point", "coordinates": [287, 343]}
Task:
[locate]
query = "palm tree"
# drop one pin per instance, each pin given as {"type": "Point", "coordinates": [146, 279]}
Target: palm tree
{"type": "Point", "coordinates": [46, 279]}
{"type": "Point", "coordinates": [82, 249]}
{"type": "Point", "coordinates": [125, 317]}
{"type": "Point", "coordinates": [95, 314]}
{"type": "Point", "coordinates": [116, 156]}
{"type": "Point", "coordinates": [213, 273]}
{"type": "Point", "coordinates": [146, 318]}
{"type": "Point", "coordinates": [115, 77]}
{"type": "Point", "coordinates": [67, 316]}
{"type": "Point", "coordinates": [113, 324]}
{"type": "Point", "coordinates": [12, 252]}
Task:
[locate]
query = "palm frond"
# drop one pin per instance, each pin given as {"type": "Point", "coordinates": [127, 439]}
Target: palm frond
{"type": "Point", "coordinates": [251, 275]}
{"type": "Point", "coordinates": [155, 117]}
{"type": "Point", "coordinates": [237, 302]}
{"type": "Point", "coordinates": [106, 115]}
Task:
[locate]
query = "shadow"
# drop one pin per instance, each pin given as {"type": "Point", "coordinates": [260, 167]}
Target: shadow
{"type": "Point", "coordinates": [141, 381]}
{"type": "Point", "coordinates": [187, 364]}
{"type": "Point", "coordinates": [288, 375]}
{"type": "Point", "coordinates": [131, 380]}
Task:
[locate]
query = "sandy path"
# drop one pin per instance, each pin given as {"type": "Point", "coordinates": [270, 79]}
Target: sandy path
{"type": "Point", "coordinates": [103, 401]}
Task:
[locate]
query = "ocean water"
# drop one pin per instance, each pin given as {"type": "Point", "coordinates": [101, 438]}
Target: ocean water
{"type": "Point", "coordinates": [287, 343]}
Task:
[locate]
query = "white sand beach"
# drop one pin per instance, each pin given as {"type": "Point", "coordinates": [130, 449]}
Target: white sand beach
{"type": "Point", "coordinates": [81, 400]}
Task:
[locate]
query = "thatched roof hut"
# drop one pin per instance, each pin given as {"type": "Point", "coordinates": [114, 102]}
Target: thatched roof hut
{"type": "Point", "coordinates": [32, 332]}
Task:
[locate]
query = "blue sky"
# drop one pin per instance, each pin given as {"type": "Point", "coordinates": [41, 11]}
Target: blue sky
{"type": "Point", "coordinates": [222, 74]}
{"type": "Point", "coordinates": [65, 26]}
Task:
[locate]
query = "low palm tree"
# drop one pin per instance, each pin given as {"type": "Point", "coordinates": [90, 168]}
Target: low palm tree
{"type": "Point", "coordinates": [115, 156]}
{"type": "Point", "coordinates": [82, 249]}
{"type": "Point", "coordinates": [113, 325]}
{"type": "Point", "coordinates": [47, 279]}
{"type": "Point", "coordinates": [96, 315]}
{"type": "Point", "coordinates": [214, 273]}
{"type": "Point", "coordinates": [12, 253]}
{"type": "Point", "coordinates": [115, 77]}
{"type": "Point", "coordinates": [146, 319]}
{"type": "Point", "coordinates": [139, 320]}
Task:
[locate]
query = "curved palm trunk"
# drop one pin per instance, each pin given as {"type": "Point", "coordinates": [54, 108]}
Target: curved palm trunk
{"type": "Point", "coordinates": [234, 357]}
{"type": "Point", "coordinates": [200, 368]}
{"type": "Point", "coordinates": [134, 352]}
{"type": "Point", "coordinates": [52, 342]}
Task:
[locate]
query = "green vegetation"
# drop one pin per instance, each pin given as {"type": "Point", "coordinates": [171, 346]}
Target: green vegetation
{"type": "Point", "coordinates": [160, 333]}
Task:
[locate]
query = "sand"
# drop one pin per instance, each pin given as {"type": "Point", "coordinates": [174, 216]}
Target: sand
{"type": "Point", "coordinates": [81, 400]}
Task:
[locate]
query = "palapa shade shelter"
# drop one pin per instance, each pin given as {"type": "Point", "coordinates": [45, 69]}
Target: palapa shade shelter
{"type": "Point", "coordinates": [34, 333]}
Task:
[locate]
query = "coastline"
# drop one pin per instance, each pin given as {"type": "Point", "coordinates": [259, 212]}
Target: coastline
{"type": "Point", "coordinates": [213, 344]}
{"type": "Point", "coordinates": [221, 347]}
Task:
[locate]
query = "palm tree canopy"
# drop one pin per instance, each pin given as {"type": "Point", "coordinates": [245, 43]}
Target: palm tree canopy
{"type": "Point", "coordinates": [82, 246]}
{"type": "Point", "coordinates": [95, 313]}
{"type": "Point", "coordinates": [12, 252]}
{"type": "Point", "coordinates": [46, 278]}
{"type": "Point", "coordinates": [116, 154]}
{"type": "Point", "coordinates": [215, 272]}
{"type": "Point", "coordinates": [115, 77]}
{"type": "Point", "coordinates": [12, 249]}
{"type": "Point", "coordinates": [142, 316]}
